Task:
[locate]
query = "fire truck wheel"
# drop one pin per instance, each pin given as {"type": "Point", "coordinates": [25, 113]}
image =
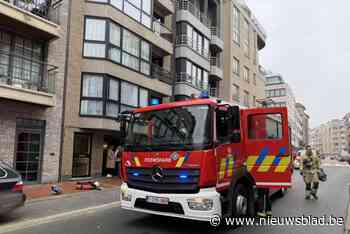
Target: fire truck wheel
{"type": "Point", "coordinates": [242, 201]}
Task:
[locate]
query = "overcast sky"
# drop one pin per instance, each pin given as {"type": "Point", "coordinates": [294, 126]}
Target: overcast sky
{"type": "Point", "coordinates": [309, 44]}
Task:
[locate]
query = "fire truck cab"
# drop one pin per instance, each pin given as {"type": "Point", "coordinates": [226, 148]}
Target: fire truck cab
{"type": "Point", "coordinates": [199, 158]}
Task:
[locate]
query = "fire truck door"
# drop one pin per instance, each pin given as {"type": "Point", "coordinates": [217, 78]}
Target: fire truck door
{"type": "Point", "coordinates": [266, 142]}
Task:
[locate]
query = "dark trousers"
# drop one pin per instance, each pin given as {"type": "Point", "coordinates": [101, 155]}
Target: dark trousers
{"type": "Point", "coordinates": [264, 201]}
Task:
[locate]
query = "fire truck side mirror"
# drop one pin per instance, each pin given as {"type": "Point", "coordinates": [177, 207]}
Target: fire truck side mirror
{"type": "Point", "coordinates": [235, 118]}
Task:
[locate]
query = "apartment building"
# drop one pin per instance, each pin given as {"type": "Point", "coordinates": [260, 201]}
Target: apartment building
{"type": "Point", "coordinates": [304, 123]}
{"type": "Point", "coordinates": [120, 58]}
{"type": "Point", "coordinates": [281, 94]}
{"type": "Point", "coordinates": [31, 87]}
{"type": "Point", "coordinates": [332, 137]}
{"type": "Point", "coordinates": [244, 37]}
{"type": "Point", "coordinates": [198, 48]}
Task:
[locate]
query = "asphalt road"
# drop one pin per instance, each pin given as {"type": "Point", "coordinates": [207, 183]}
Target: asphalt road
{"type": "Point", "coordinates": [333, 199]}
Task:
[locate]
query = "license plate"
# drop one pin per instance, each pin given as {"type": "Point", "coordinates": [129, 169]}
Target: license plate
{"type": "Point", "coordinates": [158, 200]}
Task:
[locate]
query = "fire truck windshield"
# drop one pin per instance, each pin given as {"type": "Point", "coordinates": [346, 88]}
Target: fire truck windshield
{"type": "Point", "coordinates": [186, 127]}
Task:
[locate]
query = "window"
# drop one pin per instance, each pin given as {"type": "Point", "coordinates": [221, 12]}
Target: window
{"type": "Point", "coordinates": [236, 93]}
{"type": "Point", "coordinates": [193, 38]}
{"type": "Point", "coordinates": [246, 74]}
{"type": "Point", "coordinates": [92, 103]}
{"type": "Point", "coordinates": [265, 127]}
{"type": "Point", "coordinates": [246, 38]}
{"type": "Point", "coordinates": [195, 75]}
{"type": "Point", "coordinates": [246, 98]}
{"type": "Point", "coordinates": [254, 78]}
{"type": "Point", "coordinates": [224, 126]}
{"type": "Point", "coordinates": [276, 93]}
{"type": "Point", "coordinates": [236, 66]}
{"type": "Point", "coordinates": [106, 96]}
{"type": "Point", "coordinates": [236, 25]}
{"type": "Point", "coordinates": [254, 101]}
{"type": "Point", "coordinates": [95, 36]}
{"type": "Point", "coordinates": [124, 50]}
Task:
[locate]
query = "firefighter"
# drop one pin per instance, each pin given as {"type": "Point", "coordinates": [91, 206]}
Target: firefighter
{"type": "Point", "coordinates": [264, 203]}
{"type": "Point", "coordinates": [309, 168]}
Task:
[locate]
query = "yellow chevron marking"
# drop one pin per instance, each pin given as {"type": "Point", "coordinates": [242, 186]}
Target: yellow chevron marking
{"type": "Point", "coordinates": [283, 165]}
{"type": "Point", "coordinates": [230, 166]}
{"type": "Point", "coordinates": [180, 162]}
{"type": "Point", "coordinates": [266, 164]}
{"type": "Point", "coordinates": [222, 168]}
{"type": "Point", "coordinates": [251, 162]}
{"type": "Point", "coordinates": [137, 161]}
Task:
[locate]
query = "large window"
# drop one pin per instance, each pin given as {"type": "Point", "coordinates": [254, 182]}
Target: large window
{"type": "Point", "coordinates": [139, 10]}
{"type": "Point", "coordinates": [105, 96]}
{"type": "Point", "coordinates": [123, 46]}
{"type": "Point", "coordinates": [236, 93]}
{"type": "Point", "coordinates": [246, 98]}
{"type": "Point", "coordinates": [276, 93]}
{"type": "Point", "coordinates": [21, 61]}
{"type": "Point", "coordinates": [191, 73]}
{"type": "Point", "coordinates": [188, 35]}
{"type": "Point", "coordinates": [236, 25]}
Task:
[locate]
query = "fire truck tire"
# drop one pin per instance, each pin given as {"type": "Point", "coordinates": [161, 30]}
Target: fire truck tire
{"type": "Point", "coordinates": [243, 201]}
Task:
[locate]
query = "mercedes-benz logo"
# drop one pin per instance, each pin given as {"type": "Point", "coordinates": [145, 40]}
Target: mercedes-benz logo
{"type": "Point", "coordinates": [157, 174]}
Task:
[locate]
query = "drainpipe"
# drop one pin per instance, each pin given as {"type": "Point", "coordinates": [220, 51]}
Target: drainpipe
{"type": "Point", "coordinates": [64, 92]}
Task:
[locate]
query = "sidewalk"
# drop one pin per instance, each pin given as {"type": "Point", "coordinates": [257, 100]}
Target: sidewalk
{"type": "Point", "coordinates": [43, 191]}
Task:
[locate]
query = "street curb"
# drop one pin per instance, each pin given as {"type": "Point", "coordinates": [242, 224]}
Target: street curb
{"type": "Point", "coordinates": [54, 197]}
{"type": "Point", "coordinates": [54, 218]}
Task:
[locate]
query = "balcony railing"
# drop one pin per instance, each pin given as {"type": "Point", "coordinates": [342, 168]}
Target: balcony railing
{"type": "Point", "coordinates": [183, 77]}
{"type": "Point", "coordinates": [188, 6]}
{"type": "Point", "coordinates": [161, 30]}
{"type": "Point", "coordinates": [162, 74]}
{"type": "Point", "coordinates": [215, 31]}
{"type": "Point", "coordinates": [37, 7]}
{"type": "Point", "coordinates": [26, 72]}
{"type": "Point", "coordinates": [184, 40]}
{"type": "Point", "coordinates": [215, 62]}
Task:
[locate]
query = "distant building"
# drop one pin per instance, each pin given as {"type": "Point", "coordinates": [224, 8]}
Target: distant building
{"type": "Point", "coordinates": [281, 94]}
{"type": "Point", "coordinates": [332, 137]}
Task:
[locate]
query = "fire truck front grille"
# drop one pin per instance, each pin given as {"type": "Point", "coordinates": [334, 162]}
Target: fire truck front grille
{"type": "Point", "coordinates": [172, 181]}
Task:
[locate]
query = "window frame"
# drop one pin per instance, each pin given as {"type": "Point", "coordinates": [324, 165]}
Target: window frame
{"type": "Point", "coordinates": [236, 25]}
{"type": "Point", "coordinates": [109, 45]}
{"type": "Point", "coordinates": [281, 137]}
{"type": "Point", "coordinates": [105, 97]}
{"type": "Point", "coordinates": [140, 9]}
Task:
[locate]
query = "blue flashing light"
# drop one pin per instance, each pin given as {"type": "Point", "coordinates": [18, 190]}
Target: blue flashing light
{"type": "Point", "coordinates": [135, 174]}
{"type": "Point", "coordinates": [204, 94]}
{"type": "Point", "coordinates": [155, 101]}
{"type": "Point", "coordinates": [183, 176]}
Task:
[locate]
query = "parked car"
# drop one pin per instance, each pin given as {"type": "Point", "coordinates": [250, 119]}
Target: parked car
{"type": "Point", "coordinates": [11, 189]}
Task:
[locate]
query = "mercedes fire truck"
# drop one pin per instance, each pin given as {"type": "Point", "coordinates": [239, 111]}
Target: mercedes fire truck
{"type": "Point", "coordinates": [199, 158]}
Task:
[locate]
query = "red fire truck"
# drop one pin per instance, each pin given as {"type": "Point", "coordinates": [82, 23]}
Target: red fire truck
{"type": "Point", "coordinates": [199, 158]}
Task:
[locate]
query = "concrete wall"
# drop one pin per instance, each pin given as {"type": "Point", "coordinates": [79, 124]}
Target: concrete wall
{"type": "Point", "coordinates": [232, 49]}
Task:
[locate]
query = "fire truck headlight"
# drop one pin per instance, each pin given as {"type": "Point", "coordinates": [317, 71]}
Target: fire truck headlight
{"type": "Point", "coordinates": [124, 193]}
{"type": "Point", "coordinates": [200, 203]}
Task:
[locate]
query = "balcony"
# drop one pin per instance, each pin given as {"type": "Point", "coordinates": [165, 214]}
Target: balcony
{"type": "Point", "coordinates": [161, 74]}
{"type": "Point", "coordinates": [216, 68]}
{"type": "Point", "coordinates": [166, 7]}
{"type": "Point", "coordinates": [186, 85]}
{"type": "Point", "coordinates": [186, 49]}
{"type": "Point", "coordinates": [186, 11]}
{"type": "Point", "coordinates": [216, 42]}
{"type": "Point", "coordinates": [161, 30]}
{"type": "Point", "coordinates": [26, 79]}
{"type": "Point", "coordinates": [29, 17]}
